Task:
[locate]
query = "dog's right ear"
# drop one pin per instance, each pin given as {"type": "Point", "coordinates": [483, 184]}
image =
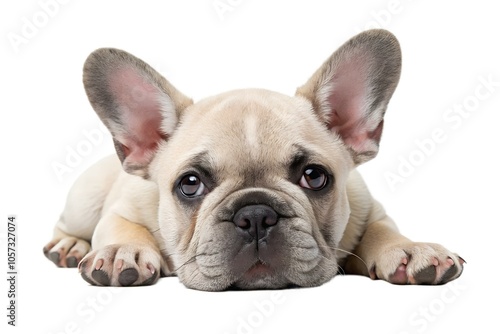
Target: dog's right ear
{"type": "Point", "coordinates": [139, 106]}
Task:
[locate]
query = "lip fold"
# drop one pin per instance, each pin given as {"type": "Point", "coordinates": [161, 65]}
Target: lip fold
{"type": "Point", "coordinates": [258, 269]}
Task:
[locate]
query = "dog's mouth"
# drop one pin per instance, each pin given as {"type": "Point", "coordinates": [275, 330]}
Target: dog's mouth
{"type": "Point", "coordinates": [258, 276]}
{"type": "Point", "coordinates": [258, 270]}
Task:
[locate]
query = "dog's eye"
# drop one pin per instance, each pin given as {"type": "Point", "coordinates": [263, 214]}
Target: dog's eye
{"type": "Point", "coordinates": [314, 178]}
{"type": "Point", "coordinates": [191, 186]}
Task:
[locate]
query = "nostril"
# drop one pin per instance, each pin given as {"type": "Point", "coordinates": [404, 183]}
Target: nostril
{"type": "Point", "coordinates": [243, 223]}
{"type": "Point", "coordinates": [268, 223]}
{"type": "Point", "coordinates": [255, 219]}
{"type": "Point", "coordinates": [270, 219]}
{"type": "Point", "coordinates": [243, 219]}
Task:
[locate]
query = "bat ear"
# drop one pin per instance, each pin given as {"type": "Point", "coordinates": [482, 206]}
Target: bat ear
{"type": "Point", "coordinates": [139, 107]}
{"type": "Point", "coordinates": [351, 90]}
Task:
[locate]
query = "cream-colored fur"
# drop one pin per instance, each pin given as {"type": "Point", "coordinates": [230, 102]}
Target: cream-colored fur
{"type": "Point", "coordinates": [248, 153]}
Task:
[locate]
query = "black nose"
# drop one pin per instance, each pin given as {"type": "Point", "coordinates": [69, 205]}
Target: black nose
{"type": "Point", "coordinates": [255, 219]}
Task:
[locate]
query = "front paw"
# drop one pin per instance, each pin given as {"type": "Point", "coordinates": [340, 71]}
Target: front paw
{"type": "Point", "coordinates": [121, 265]}
{"type": "Point", "coordinates": [417, 263]}
{"type": "Point", "coordinates": [67, 251]}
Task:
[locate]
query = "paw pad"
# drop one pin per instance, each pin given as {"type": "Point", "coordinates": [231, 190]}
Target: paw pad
{"type": "Point", "coordinates": [121, 265]}
{"type": "Point", "coordinates": [66, 252]}
{"type": "Point", "coordinates": [419, 263]}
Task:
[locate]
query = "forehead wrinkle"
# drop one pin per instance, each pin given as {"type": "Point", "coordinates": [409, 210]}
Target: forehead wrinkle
{"type": "Point", "coordinates": [200, 161]}
{"type": "Point", "coordinates": [302, 157]}
{"type": "Point", "coordinates": [298, 158]}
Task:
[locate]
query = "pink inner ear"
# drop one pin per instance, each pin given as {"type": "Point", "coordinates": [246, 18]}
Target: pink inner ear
{"type": "Point", "coordinates": [141, 116]}
{"type": "Point", "coordinates": [348, 102]}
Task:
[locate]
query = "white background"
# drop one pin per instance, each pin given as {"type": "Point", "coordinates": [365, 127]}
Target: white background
{"type": "Point", "coordinates": [451, 197]}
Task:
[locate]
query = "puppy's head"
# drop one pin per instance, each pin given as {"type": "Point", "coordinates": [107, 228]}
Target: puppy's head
{"type": "Point", "coordinates": [252, 183]}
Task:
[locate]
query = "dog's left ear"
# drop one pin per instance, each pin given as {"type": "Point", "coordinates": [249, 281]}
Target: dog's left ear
{"type": "Point", "coordinates": [350, 92]}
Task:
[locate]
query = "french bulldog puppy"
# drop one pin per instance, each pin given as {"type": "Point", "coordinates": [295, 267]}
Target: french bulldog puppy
{"type": "Point", "coordinates": [248, 189]}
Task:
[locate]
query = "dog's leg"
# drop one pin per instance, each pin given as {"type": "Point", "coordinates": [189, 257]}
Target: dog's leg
{"type": "Point", "coordinates": [124, 254]}
{"type": "Point", "coordinates": [83, 209]}
{"type": "Point", "coordinates": [65, 250]}
{"type": "Point", "coordinates": [386, 254]}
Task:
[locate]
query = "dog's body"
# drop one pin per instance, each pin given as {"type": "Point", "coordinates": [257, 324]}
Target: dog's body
{"type": "Point", "coordinates": [247, 189]}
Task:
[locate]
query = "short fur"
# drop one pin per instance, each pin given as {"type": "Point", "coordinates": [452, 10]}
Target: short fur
{"type": "Point", "coordinates": [247, 189]}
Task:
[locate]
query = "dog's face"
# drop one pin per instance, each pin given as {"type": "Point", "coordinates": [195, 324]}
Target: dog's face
{"type": "Point", "coordinates": [252, 183]}
{"type": "Point", "coordinates": [252, 193]}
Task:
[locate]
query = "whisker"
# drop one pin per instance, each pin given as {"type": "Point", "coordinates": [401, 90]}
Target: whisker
{"type": "Point", "coordinates": [350, 253]}
{"type": "Point", "coordinates": [191, 260]}
{"type": "Point", "coordinates": [340, 270]}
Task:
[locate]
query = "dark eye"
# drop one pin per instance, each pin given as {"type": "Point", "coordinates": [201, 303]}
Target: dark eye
{"type": "Point", "coordinates": [191, 186]}
{"type": "Point", "coordinates": [314, 178]}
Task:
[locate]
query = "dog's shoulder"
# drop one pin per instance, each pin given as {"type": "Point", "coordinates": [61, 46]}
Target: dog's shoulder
{"type": "Point", "coordinates": [132, 197]}
{"type": "Point", "coordinates": [364, 209]}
